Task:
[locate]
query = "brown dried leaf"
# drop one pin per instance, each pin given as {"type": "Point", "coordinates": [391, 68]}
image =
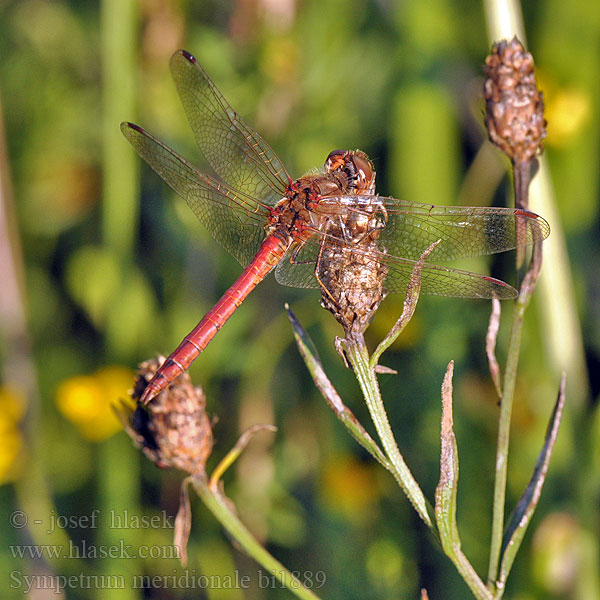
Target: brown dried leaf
{"type": "Point", "coordinates": [183, 522]}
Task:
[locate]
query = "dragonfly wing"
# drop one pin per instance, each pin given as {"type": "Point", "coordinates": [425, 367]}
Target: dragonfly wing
{"type": "Point", "coordinates": [235, 150]}
{"type": "Point", "coordinates": [437, 280]}
{"type": "Point", "coordinates": [297, 267]}
{"type": "Point", "coordinates": [235, 220]}
{"type": "Point", "coordinates": [464, 231]}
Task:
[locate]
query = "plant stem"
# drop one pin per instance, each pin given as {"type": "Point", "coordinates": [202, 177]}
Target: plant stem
{"type": "Point", "coordinates": [118, 492]}
{"type": "Point", "coordinates": [510, 377]}
{"type": "Point", "coordinates": [120, 166]}
{"type": "Point", "coordinates": [522, 179]}
{"type": "Point", "coordinates": [358, 357]}
{"type": "Point", "coordinates": [221, 509]}
{"type": "Point", "coordinates": [523, 512]}
{"type": "Point", "coordinates": [504, 20]}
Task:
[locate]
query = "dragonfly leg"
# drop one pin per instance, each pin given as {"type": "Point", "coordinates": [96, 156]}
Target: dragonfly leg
{"type": "Point", "coordinates": [318, 263]}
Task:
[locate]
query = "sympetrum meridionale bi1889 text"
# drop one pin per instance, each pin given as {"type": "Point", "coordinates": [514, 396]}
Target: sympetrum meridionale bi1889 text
{"type": "Point", "coordinates": [268, 221]}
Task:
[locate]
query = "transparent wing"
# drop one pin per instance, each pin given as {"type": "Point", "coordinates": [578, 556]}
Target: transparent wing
{"type": "Point", "coordinates": [408, 228]}
{"type": "Point", "coordinates": [464, 231]}
{"type": "Point", "coordinates": [235, 150]}
{"type": "Point", "coordinates": [297, 269]}
{"type": "Point", "coordinates": [437, 280]}
{"type": "Point", "coordinates": [235, 220]}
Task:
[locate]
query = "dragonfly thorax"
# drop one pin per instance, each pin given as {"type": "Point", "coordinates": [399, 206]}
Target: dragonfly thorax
{"type": "Point", "coordinates": [307, 203]}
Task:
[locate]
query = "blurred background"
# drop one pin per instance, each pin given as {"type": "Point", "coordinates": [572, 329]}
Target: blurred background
{"type": "Point", "coordinates": [102, 267]}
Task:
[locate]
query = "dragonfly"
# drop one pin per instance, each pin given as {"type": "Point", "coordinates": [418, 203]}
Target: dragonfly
{"type": "Point", "coordinates": [269, 221]}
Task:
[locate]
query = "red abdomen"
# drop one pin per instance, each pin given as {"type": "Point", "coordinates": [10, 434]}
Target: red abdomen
{"type": "Point", "coordinates": [270, 253]}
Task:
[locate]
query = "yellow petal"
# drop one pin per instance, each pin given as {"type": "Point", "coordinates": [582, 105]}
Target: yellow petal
{"type": "Point", "coordinates": [87, 400]}
{"type": "Point", "coordinates": [11, 447]}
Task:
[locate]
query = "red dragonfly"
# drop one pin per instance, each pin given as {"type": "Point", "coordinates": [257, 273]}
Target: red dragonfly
{"type": "Point", "coordinates": [267, 220]}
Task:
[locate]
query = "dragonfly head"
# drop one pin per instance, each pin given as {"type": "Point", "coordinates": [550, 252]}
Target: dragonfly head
{"type": "Point", "coordinates": [356, 167]}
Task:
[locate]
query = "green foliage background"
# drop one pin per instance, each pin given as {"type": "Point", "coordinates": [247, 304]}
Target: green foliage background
{"type": "Point", "coordinates": [115, 268]}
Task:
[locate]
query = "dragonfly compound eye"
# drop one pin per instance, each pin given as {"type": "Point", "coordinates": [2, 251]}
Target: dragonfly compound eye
{"type": "Point", "coordinates": [336, 160]}
{"type": "Point", "coordinates": [362, 171]}
{"type": "Point", "coordinates": [355, 166]}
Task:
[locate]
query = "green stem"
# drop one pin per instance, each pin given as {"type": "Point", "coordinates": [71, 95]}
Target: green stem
{"type": "Point", "coordinates": [221, 509]}
{"type": "Point", "coordinates": [120, 166]}
{"type": "Point", "coordinates": [510, 378]}
{"type": "Point", "coordinates": [359, 359]}
{"type": "Point", "coordinates": [504, 20]}
{"type": "Point", "coordinates": [522, 179]}
{"type": "Point", "coordinates": [118, 492]}
{"type": "Point", "coordinates": [468, 573]}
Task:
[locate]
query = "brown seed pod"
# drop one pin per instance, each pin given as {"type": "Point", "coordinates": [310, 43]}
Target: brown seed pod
{"type": "Point", "coordinates": [174, 429]}
{"type": "Point", "coordinates": [514, 105]}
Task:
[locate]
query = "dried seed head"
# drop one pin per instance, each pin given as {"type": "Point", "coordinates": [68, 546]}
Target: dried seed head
{"type": "Point", "coordinates": [514, 106]}
{"type": "Point", "coordinates": [352, 286]}
{"type": "Point", "coordinates": [173, 430]}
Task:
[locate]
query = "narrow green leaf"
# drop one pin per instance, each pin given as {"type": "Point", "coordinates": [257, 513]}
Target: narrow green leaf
{"type": "Point", "coordinates": [445, 495]}
{"type": "Point", "coordinates": [306, 345]}
{"type": "Point", "coordinates": [224, 511]}
{"type": "Point", "coordinates": [324, 385]}
{"type": "Point", "coordinates": [235, 452]}
{"type": "Point", "coordinates": [408, 310]}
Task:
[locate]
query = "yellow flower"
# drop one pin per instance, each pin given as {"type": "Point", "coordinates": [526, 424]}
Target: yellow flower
{"type": "Point", "coordinates": [568, 111]}
{"type": "Point", "coordinates": [87, 400]}
{"type": "Point", "coordinates": [349, 487]}
{"type": "Point", "coordinates": [11, 447]}
{"type": "Point", "coordinates": [12, 410]}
